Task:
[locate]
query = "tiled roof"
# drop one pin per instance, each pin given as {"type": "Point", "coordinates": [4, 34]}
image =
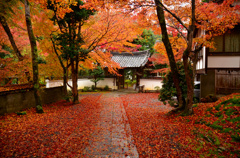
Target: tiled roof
{"type": "Point", "coordinates": [134, 59]}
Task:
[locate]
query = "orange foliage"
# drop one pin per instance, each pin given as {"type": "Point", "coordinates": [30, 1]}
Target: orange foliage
{"type": "Point", "coordinates": [107, 31]}
{"type": "Point", "coordinates": [178, 46]}
{"type": "Point", "coordinates": [215, 19]}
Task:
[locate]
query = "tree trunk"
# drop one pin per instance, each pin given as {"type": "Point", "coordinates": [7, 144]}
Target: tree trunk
{"type": "Point", "coordinates": [74, 66]}
{"type": "Point", "coordinates": [168, 47]}
{"type": "Point", "coordinates": [188, 75]}
{"type": "Point", "coordinates": [95, 83]}
{"type": "Point", "coordinates": [10, 36]}
{"type": "Point", "coordinates": [65, 69]}
{"type": "Point", "coordinates": [189, 80]}
{"type": "Point", "coordinates": [194, 60]}
{"type": "Point", "coordinates": [65, 81]}
{"type": "Point", "coordinates": [33, 43]}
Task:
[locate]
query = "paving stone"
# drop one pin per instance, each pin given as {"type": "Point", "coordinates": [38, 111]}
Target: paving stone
{"type": "Point", "coordinates": [113, 139]}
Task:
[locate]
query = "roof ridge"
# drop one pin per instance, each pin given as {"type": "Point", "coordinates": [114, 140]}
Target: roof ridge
{"type": "Point", "coordinates": [144, 52]}
{"type": "Point", "coordinates": [134, 59]}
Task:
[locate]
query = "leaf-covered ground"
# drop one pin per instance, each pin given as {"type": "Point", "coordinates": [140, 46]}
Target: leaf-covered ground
{"type": "Point", "coordinates": [213, 130]}
{"type": "Point", "coordinates": [65, 130]}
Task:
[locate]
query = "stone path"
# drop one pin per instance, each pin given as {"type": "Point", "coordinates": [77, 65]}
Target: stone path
{"type": "Point", "coordinates": [113, 137]}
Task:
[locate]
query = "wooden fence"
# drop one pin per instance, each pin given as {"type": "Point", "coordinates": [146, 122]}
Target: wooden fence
{"type": "Point", "coordinates": [227, 81]}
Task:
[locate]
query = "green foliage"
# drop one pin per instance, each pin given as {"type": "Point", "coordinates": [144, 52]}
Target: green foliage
{"type": "Point", "coordinates": [227, 130]}
{"type": "Point", "coordinates": [226, 123]}
{"type": "Point", "coordinates": [216, 126]}
{"type": "Point", "coordinates": [42, 81]}
{"type": "Point", "coordinates": [195, 105]}
{"type": "Point", "coordinates": [69, 39]}
{"type": "Point", "coordinates": [69, 96]}
{"type": "Point", "coordinates": [218, 114]}
{"type": "Point", "coordinates": [6, 48]}
{"type": "Point", "coordinates": [98, 74]}
{"type": "Point", "coordinates": [157, 88]}
{"type": "Point", "coordinates": [236, 137]}
{"type": "Point", "coordinates": [39, 109]}
{"type": "Point", "coordinates": [218, 107]}
{"type": "Point", "coordinates": [40, 60]}
{"type": "Point", "coordinates": [146, 40]}
{"type": "Point", "coordinates": [86, 89]}
{"type": "Point", "coordinates": [237, 119]}
{"type": "Point", "coordinates": [231, 102]}
{"type": "Point", "coordinates": [21, 113]}
{"type": "Point", "coordinates": [227, 112]}
{"type": "Point", "coordinates": [168, 90]}
{"type": "Point", "coordinates": [130, 82]}
{"type": "Point", "coordinates": [106, 88]}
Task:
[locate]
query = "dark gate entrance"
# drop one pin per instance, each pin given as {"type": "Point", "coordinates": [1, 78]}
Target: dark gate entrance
{"type": "Point", "coordinates": [120, 79]}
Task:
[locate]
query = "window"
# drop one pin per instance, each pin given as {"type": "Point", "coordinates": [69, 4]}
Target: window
{"type": "Point", "coordinates": [229, 42]}
{"type": "Point", "coordinates": [232, 42]}
{"type": "Point", "coordinates": [218, 44]}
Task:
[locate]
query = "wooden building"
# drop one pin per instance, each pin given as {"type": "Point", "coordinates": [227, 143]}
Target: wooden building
{"type": "Point", "coordinates": [219, 69]}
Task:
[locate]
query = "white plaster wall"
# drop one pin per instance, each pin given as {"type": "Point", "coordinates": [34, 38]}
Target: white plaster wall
{"type": "Point", "coordinates": [151, 83]}
{"type": "Point", "coordinates": [82, 83]}
{"type": "Point", "coordinates": [53, 83]}
{"type": "Point", "coordinates": [224, 62]}
{"type": "Point", "coordinates": [204, 57]}
{"type": "Point", "coordinates": [107, 81]}
{"type": "Point", "coordinates": [201, 63]}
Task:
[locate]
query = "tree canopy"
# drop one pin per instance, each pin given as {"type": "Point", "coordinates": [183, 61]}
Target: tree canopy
{"type": "Point", "coordinates": [73, 35]}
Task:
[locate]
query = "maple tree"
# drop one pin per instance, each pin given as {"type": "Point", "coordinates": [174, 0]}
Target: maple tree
{"type": "Point", "coordinates": [70, 38]}
{"type": "Point", "coordinates": [13, 41]}
{"type": "Point", "coordinates": [6, 11]}
{"type": "Point", "coordinates": [85, 38]}
{"type": "Point", "coordinates": [33, 43]}
{"type": "Point", "coordinates": [107, 26]}
{"type": "Point", "coordinates": [184, 19]}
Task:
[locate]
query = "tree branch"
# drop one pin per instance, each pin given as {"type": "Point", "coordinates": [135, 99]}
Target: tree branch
{"type": "Point", "coordinates": [174, 15]}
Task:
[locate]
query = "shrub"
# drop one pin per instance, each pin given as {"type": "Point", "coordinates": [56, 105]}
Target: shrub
{"type": "Point", "coordinates": [39, 109]}
{"type": "Point", "coordinates": [69, 95]}
{"type": "Point", "coordinates": [168, 90]}
{"type": "Point", "coordinates": [106, 88]}
{"type": "Point", "coordinates": [22, 113]}
{"type": "Point", "coordinates": [86, 89]}
{"type": "Point", "coordinates": [157, 88]}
